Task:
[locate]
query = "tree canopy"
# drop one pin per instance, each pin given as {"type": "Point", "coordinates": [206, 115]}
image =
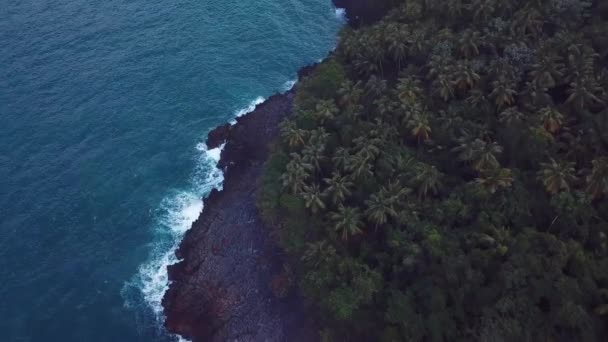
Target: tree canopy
{"type": "Point", "coordinates": [444, 175]}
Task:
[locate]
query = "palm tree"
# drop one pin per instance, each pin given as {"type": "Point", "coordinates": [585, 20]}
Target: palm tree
{"type": "Point", "coordinates": [396, 191]}
{"type": "Point", "coordinates": [326, 110]}
{"type": "Point", "coordinates": [428, 179]}
{"type": "Point", "coordinates": [350, 93]}
{"type": "Point", "coordinates": [297, 171]}
{"type": "Point", "coordinates": [464, 77]}
{"type": "Point", "coordinates": [313, 198]}
{"type": "Point", "coordinates": [397, 44]}
{"type": "Point", "coordinates": [314, 155]}
{"type": "Point", "coordinates": [318, 253]}
{"type": "Point", "coordinates": [314, 151]}
{"type": "Point", "coordinates": [347, 221]}
{"type": "Point", "coordinates": [482, 9]}
{"type": "Point", "coordinates": [511, 116]}
{"type": "Point", "coordinates": [443, 87]}
{"type": "Point", "coordinates": [440, 69]}
{"type": "Point", "coordinates": [292, 134]}
{"type": "Point", "coordinates": [380, 207]}
{"type": "Point", "coordinates": [359, 166]}
{"type": "Point", "coordinates": [552, 119]}
{"type": "Point", "coordinates": [368, 149]}
{"type": "Point", "coordinates": [454, 8]}
{"type": "Point", "coordinates": [528, 20]}
{"type": "Point", "coordinates": [481, 154]}
{"type": "Point", "coordinates": [420, 126]}
{"type": "Point", "coordinates": [536, 96]}
{"type": "Point", "coordinates": [469, 42]}
{"type": "Point", "coordinates": [341, 158]}
{"type": "Point", "coordinates": [495, 179]}
{"type": "Point", "coordinates": [409, 90]}
{"type": "Point", "coordinates": [384, 106]}
{"type": "Point", "coordinates": [585, 91]}
{"type": "Point", "coordinates": [556, 175]}
{"type": "Point", "coordinates": [548, 70]}
{"type": "Point", "coordinates": [597, 181]}
{"type": "Point", "coordinates": [417, 42]}
{"type": "Point", "coordinates": [503, 91]}
{"type": "Point", "coordinates": [338, 186]}
{"type": "Point", "coordinates": [375, 86]}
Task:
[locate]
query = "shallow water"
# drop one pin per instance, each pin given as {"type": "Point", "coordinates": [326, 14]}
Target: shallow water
{"type": "Point", "coordinates": [103, 110]}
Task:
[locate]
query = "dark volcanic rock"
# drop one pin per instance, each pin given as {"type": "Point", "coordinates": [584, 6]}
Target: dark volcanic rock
{"type": "Point", "coordinates": [220, 290]}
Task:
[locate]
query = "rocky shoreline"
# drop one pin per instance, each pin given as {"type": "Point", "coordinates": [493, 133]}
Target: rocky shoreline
{"type": "Point", "coordinates": [220, 290]}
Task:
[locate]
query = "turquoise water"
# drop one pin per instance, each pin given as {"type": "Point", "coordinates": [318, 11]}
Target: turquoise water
{"type": "Point", "coordinates": [104, 106]}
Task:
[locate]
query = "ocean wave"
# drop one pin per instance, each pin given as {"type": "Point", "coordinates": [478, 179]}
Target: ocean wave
{"type": "Point", "coordinates": [288, 85]}
{"type": "Point", "coordinates": [248, 109]}
{"type": "Point", "coordinates": [176, 213]}
{"type": "Point", "coordinates": [341, 14]}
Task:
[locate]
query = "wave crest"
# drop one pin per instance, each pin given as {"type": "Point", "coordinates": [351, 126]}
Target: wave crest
{"type": "Point", "coordinates": [176, 213]}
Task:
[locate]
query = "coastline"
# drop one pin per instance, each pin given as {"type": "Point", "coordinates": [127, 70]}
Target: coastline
{"type": "Point", "coordinates": [220, 289]}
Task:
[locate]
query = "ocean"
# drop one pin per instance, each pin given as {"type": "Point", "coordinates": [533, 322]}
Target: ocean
{"type": "Point", "coordinates": [104, 109]}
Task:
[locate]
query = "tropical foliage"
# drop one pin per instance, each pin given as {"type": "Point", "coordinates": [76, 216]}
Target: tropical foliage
{"type": "Point", "coordinates": [444, 175]}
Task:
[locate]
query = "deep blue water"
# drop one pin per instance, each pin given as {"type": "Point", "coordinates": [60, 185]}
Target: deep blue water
{"type": "Point", "coordinates": [103, 108]}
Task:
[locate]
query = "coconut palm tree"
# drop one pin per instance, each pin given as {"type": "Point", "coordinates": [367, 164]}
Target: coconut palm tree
{"type": "Point", "coordinates": [341, 158]}
{"type": "Point", "coordinates": [375, 87]}
{"type": "Point", "coordinates": [313, 198]}
{"type": "Point", "coordinates": [597, 181]}
{"type": "Point", "coordinates": [292, 134]}
{"type": "Point", "coordinates": [326, 110]}
{"type": "Point", "coordinates": [297, 172]}
{"type": "Point", "coordinates": [395, 190]}
{"type": "Point", "coordinates": [503, 92]}
{"type": "Point", "coordinates": [417, 42]}
{"type": "Point", "coordinates": [440, 70]}
{"type": "Point", "coordinates": [409, 90]}
{"type": "Point", "coordinates": [552, 119]}
{"type": "Point", "coordinates": [548, 70]}
{"type": "Point", "coordinates": [359, 166]}
{"type": "Point", "coordinates": [428, 179]}
{"type": "Point", "coordinates": [368, 149]}
{"type": "Point", "coordinates": [482, 10]}
{"type": "Point", "coordinates": [511, 116]}
{"type": "Point", "coordinates": [464, 77]}
{"type": "Point", "coordinates": [314, 151]}
{"type": "Point", "coordinates": [347, 221]}
{"type": "Point", "coordinates": [385, 107]}
{"type": "Point", "coordinates": [454, 8]}
{"type": "Point", "coordinates": [534, 96]}
{"type": "Point", "coordinates": [350, 93]}
{"type": "Point", "coordinates": [495, 179]}
{"type": "Point", "coordinates": [469, 42]}
{"type": "Point", "coordinates": [556, 175]}
{"type": "Point", "coordinates": [420, 126]}
{"type": "Point", "coordinates": [528, 21]}
{"type": "Point", "coordinates": [480, 153]}
{"type": "Point", "coordinates": [319, 253]}
{"type": "Point", "coordinates": [585, 91]}
{"type": "Point", "coordinates": [314, 155]}
{"type": "Point", "coordinates": [338, 187]}
{"type": "Point", "coordinates": [398, 44]}
{"type": "Point", "coordinates": [380, 207]}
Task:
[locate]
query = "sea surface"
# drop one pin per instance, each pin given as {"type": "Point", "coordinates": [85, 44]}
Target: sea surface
{"type": "Point", "coordinates": [104, 108]}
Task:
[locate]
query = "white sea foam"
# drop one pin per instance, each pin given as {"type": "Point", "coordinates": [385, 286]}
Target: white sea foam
{"type": "Point", "coordinates": [288, 85]}
{"type": "Point", "coordinates": [175, 215]}
{"type": "Point", "coordinates": [248, 109]}
{"type": "Point", "coordinates": [341, 14]}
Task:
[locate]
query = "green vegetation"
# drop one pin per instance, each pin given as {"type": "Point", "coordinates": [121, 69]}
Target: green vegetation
{"type": "Point", "coordinates": [444, 175]}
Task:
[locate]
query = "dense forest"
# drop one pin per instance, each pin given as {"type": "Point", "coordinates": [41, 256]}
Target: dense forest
{"type": "Point", "coordinates": [444, 175]}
